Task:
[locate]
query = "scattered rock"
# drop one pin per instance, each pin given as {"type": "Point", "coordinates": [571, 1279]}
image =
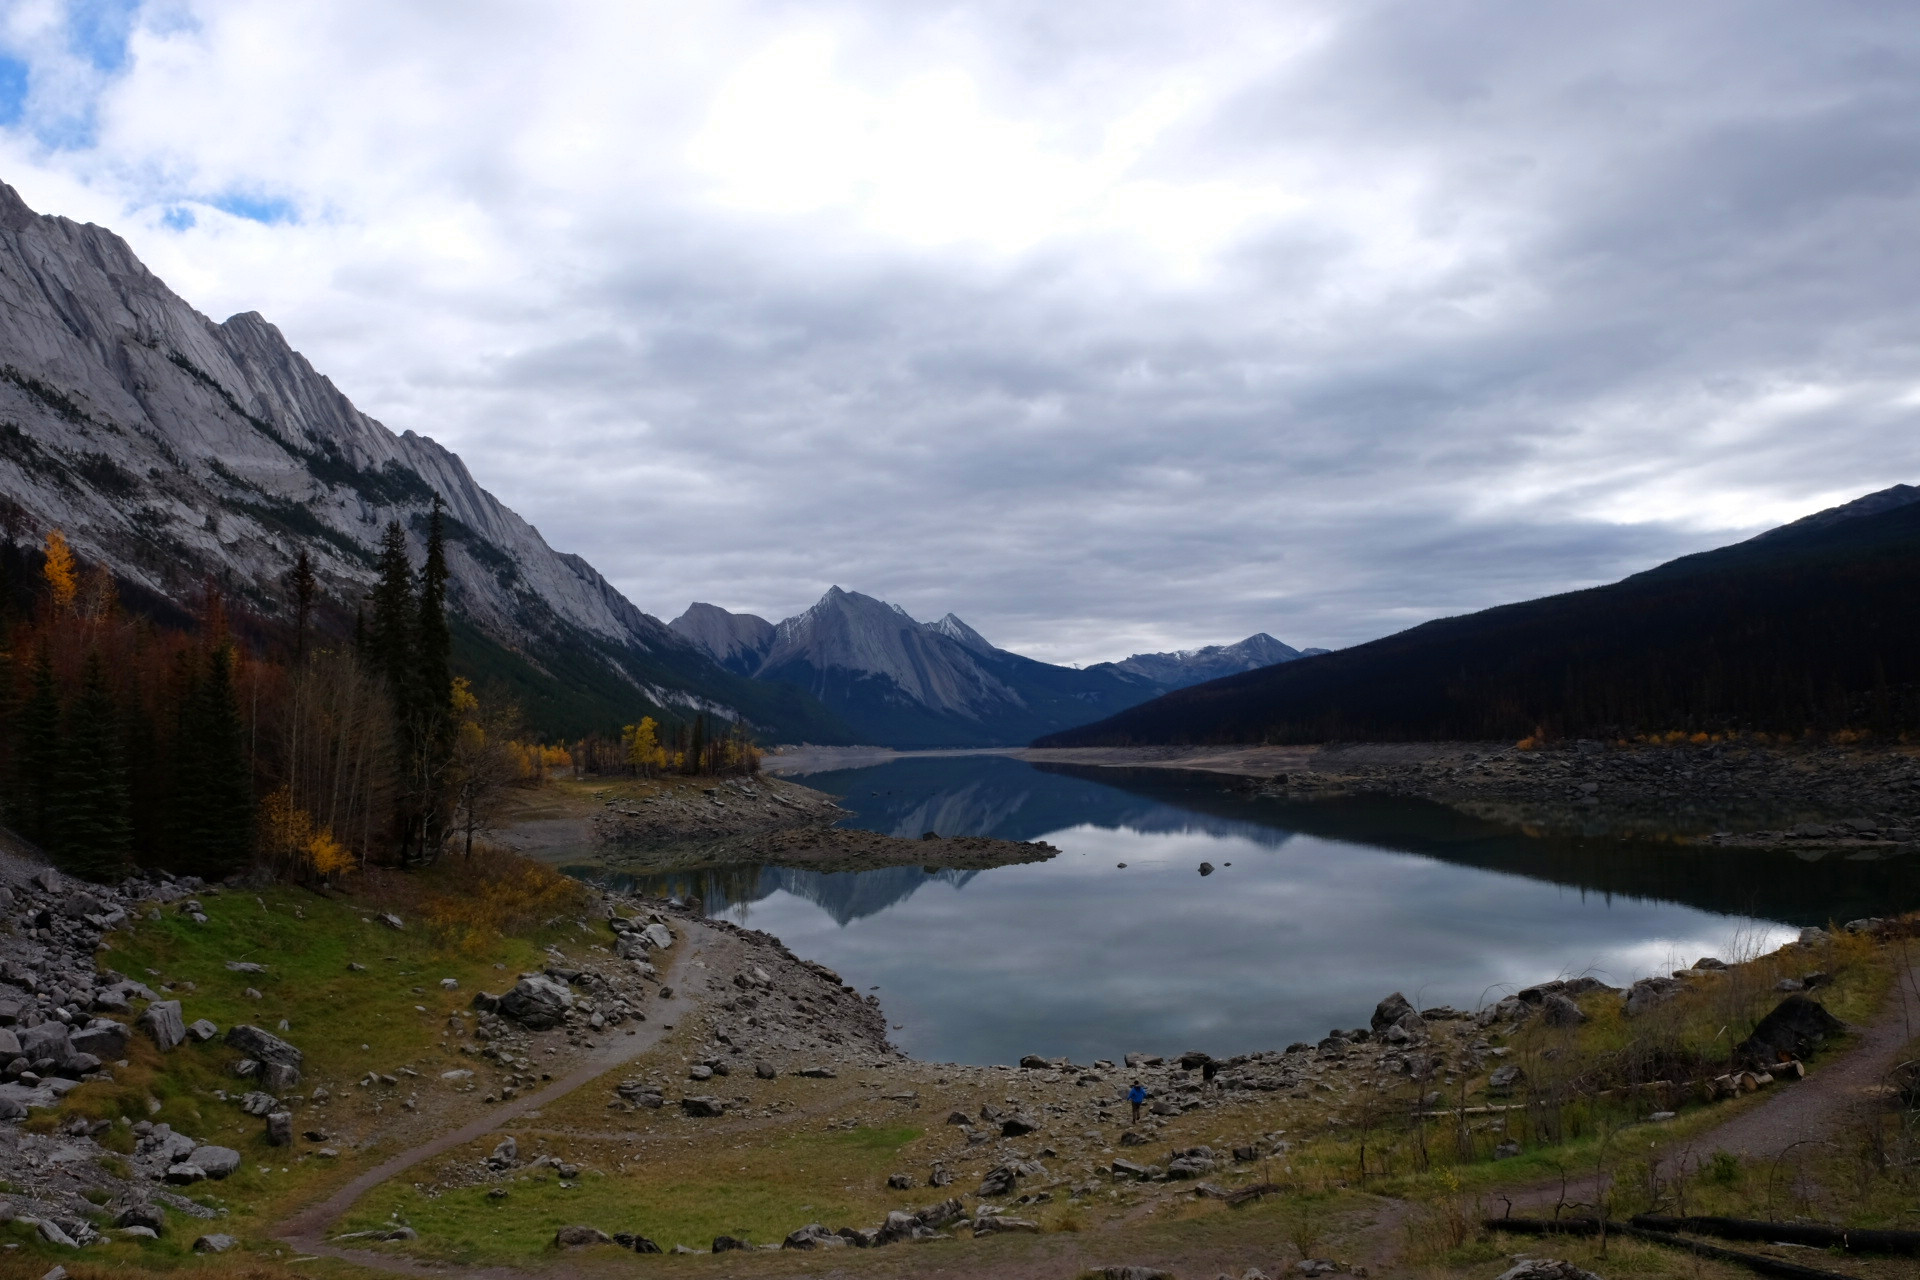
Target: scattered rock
{"type": "Point", "coordinates": [536, 1002]}
{"type": "Point", "coordinates": [1546, 1269]}
{"type": "Point", "coordinates": [162, 1021]}
{"type": "Point", "coordinates": [1795, 1027]}
{"type": "Point", "coordinates": [579, 1237]}
{"type": "Point", "coordinates": [216, 1242]}
{"type": "Point", "coordinates": [703, 1106]}
{"type": "Point", "coordinates": [215, 1162]}
{"type": "Point", "coordinates": [900, 1181]}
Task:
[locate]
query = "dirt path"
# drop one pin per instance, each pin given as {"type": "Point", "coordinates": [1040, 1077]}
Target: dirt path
{"type": "Point", "coordinates": [1810, 1109]}
{"type": "Point", "coordinates": [307, 1229]}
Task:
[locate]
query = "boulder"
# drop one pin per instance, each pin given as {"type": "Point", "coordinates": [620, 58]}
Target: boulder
{"type": "Point", "coordinates": [658, 934]}
{"type": "Point", "coordinates": [107, 1041]}
{"type": "Point", "coordinates": [1794, 1028]}
{"type": "Point", "coordinates": [813, 1236]}
{"type": "Point", "coordinates": [1018, 1126]}
{"type": "Point", "coordinates": [1546, 1269]}
{"type": "Point", "coordinates": [215, 1162]}
{"type": "Point", "coordinates": [184, 1174]}
{"type": "Point", "coordinates": [202, 1030]}
{"type": "Point", "coordinates": [1189, 1167]}
{"type": "Point", "coordinates": [1649, 993]}
{"type": "Point", "coordinates": [1034, 1062]}
{"type": "Point", "coordinates": [699, 1105]}
{"type": "Point", "coordinates": [578, 1237]}
{"type": "Point", "coordinates": [727, 1244]}
{"type": "Point", "coordinates": [1128, 1169]}
{"type": "Point", "coordinates": [764, 1070]}
{"type": "Point", "coordinates": [48, 1040]}
{"type": "Point", "coordinates": [998, 1182]}
{"type": "Point", "coordinates": [214, 1242]}
{"type": "Point", "coordinates": [537, 1002]}
{"type": "Point", "coordinates": [1392, 1011]}
{"type": "Point", "coordinates": [1504, 1078]}
{"type": "Point", "coordinates": [162, 1021]}
{"type": "Point", "coordinates": [995, 1224]}
{"type": "Point", "coordinates": [142, 1215]}
{"type": "Point", "coordinates": [959, 1117]}
{"type": "Point", "coordinates": [280, 1129]}
{"type": "Point", "coordinates": [1558, 1011]}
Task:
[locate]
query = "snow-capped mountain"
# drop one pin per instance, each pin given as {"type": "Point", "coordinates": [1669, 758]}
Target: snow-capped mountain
{"type": "Point", "coordinates": [900, 682]}
{"type": "Point", "coordinates": [1185, 667]}
{"type": "Point", "coordinates": [177, 450]}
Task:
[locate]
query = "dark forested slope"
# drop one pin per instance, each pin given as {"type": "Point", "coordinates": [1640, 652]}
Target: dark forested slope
{"type": "Point", "coordinates": [1815, 625]}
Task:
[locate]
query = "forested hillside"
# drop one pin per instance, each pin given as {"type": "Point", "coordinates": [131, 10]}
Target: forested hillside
{"type": "Point", "coordinates": [1808, 627]}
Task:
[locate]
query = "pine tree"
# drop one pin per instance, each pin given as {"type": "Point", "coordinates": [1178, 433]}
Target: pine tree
{"type": "Point", "coordinates": [36, 753]}
{"type": "Point", "coordinates": [214, 788]}
{"type": "Point", "coordinates": [428, 707]}
{"type": "Point", "coordinates": [305, 587]}
{"type": "Point", "coordinates": [92, 834]}
{"type": "Point", "coordinates": [390, 631]}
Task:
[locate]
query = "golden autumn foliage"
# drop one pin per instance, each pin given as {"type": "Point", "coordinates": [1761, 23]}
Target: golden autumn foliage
{"type": "Point", "coordinates": [63, 575]}
{"type": "Point", "coordinates": [537, 761]}
{"type": "Point", "coordinates": [641, 746]}
{"type": "Point", "coordinates": [289, 836]}
{"type": "Point", "coordinates": [497, 892]}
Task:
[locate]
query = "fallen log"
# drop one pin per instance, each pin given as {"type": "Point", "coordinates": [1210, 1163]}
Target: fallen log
{"type": "Point", "coordinates": [1853, 1240]}
{"type": "Point", "coordinates": [1591, 1226]}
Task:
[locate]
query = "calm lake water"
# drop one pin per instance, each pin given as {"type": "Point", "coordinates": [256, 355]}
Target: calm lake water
{"type": "Point", "coordinates": [1314, 912]}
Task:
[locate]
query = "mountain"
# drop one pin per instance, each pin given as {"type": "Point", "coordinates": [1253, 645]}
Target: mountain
{"type": "Point", "coordinates": [1808, 626]}
{"type": "Point", "coordinates": [1186, 667]}
{"type": "Point", "coordinates": [177, 451]}
{"type": "Point", "coordinates": [899, 682]}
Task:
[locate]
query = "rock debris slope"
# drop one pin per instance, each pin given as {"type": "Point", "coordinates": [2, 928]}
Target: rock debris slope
{"type": "Point", "coordinates": [175, 449]}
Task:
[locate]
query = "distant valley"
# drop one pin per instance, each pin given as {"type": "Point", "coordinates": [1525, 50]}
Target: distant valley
{"type": "Point", "coordinates": [899, 682]}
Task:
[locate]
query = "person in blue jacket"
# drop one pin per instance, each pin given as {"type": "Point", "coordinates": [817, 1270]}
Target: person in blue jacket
{"type": "Point", "coordinates": [1138, 1097]}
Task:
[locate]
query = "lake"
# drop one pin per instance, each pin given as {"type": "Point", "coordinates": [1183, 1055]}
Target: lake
{"type": "Point", "coordinates": [1314, 912]}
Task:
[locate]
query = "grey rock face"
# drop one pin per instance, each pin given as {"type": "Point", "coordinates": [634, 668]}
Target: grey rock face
{"type": "Point", "coordinates": [279, 1061]}
{"type": "Point", "coordinates": [194, 432]}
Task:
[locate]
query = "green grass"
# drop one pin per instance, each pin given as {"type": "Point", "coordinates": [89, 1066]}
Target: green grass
{"type": "Point", "coordinates": [837, 1178]}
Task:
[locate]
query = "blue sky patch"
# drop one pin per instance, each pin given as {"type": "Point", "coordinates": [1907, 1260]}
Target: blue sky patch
{"type": "Point", "coordinates": [98, 31]}
{"type": "Point", "coordinates": [13, 89]}
{"type": "Point", "coordinates": [178, 218]}
{"type": "Point", "coordinates": [267, 209]}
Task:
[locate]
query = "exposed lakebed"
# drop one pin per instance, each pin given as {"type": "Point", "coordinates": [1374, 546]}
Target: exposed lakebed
{"type": "Point", "coordinates": [1314, 910]}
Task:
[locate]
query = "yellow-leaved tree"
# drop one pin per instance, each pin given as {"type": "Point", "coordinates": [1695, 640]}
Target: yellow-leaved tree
{"type": "Point", "coordinates": [644, 751]}
{"type": "Point", "coordinates": [63, 578]}
{"type": "Point", "coordinates": [298, 846]}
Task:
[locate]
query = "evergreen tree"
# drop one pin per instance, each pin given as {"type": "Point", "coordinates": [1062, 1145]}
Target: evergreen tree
{"type": "Point", "coordinates": [390, 632]}
{"type": "Point", "coordinates": [697, 748]}
{"type": "Point", "coordinates": [430, 694]}
{"type": "Point", "coordinates": [214, 788]}
{"type": "Point", "coordinates": [305, 587]}
{"type": "Point", "coordinates": [36, 754]}
{"type": "Point", "coordinates": [92, 833]}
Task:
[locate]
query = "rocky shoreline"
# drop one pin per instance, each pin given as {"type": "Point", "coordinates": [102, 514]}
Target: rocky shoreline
{"type": "Point", "coordinates": [671, 825]}
{"type": "Point", "coordinates": [1735, 793]}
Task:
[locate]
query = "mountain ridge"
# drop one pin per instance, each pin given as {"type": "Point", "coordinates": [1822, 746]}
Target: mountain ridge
{"type": "Point", "coordinates": [901, 682]}
{"type": "Point", "coordinates": [175, 450]}
{"type": "Point", "coordinates": [1807, 628]}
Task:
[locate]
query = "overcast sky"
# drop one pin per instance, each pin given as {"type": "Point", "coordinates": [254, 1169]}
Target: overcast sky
{"type": "Point", "coordinates": [1108, 326]}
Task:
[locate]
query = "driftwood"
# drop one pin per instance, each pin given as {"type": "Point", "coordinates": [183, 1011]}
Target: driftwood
{"type": "Point", "coordinates": [1591, 1226]}
{"type": "Point", "coordinates": [1862, 1240]}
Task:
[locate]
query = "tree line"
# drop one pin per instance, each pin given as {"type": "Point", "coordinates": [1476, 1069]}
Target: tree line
{"type": "Point", "coordinates": [223, 741]}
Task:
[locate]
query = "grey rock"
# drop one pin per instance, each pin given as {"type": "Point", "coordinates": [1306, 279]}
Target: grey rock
{"type": "Point", "coordinates": [215, 1242]}
{"type": "Point", "coordinates": [107, 1042]}
{"type": "Point", "coordinates": [1504, 1078]}
{"type": "Point", "coordinates": [185, 1174]}
{"type": "Point", "coordinates": [703, 1106]}
{"type": "Point", "coordinates": [48, 1040]}
{"type": "Point", "coordinates": [764, 1070]}
{"type": "Point", "coordinates": [1558, 1011]}
{"type": "Point", "coordinates": [142, 1215]}
{"type": "Point", "coordinates": [1546, 1269]}
{"type": "Point", "coordinates": [202, 1030]}
{"type": "Point", "coordinates": [162, 1021]}
{"type": "Point", "coordinates": [52, 1233]}
{"type": "Point", "coordinates": [578, 1237]}
{"type": "Point", "coordinates": [901, 1181]}
{"type": "Point", "coordinates": [537, 1002]}
{"type": "Point", "coordinates": [280, 1129]}
{"type": "Point", "coordinates": [215, 1162]}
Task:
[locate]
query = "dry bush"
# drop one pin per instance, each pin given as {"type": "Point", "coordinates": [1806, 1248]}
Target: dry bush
{"type": "Point", "coordinates": [496, 892]}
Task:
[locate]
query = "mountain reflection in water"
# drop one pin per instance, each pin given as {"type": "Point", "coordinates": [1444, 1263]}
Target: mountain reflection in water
{"type": "Point", "coordinates": [1316, 911]}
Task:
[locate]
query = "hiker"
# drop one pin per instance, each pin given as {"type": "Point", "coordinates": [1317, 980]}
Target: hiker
{"type": "Point", "coordinates": [1138, 1097]}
